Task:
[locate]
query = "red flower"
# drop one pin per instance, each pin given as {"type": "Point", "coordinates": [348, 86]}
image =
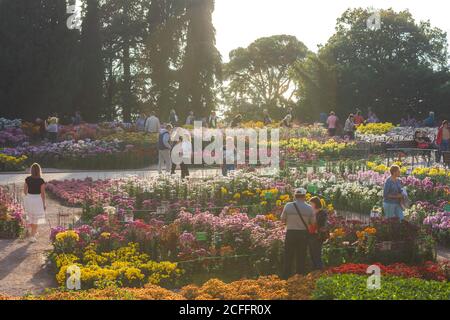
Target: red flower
{"type": "Point", "coordinates": [428, 271]}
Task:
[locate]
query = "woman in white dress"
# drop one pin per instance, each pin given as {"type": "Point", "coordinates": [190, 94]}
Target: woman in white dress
{"type": "Point", "coordinates": [34, 201]}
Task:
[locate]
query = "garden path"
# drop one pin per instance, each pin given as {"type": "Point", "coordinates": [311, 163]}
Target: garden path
{"type": "Point", "coordinates": [443, 254]}
{"type": "Point", "coordinates": [52, 174]}
{"type": "Point", "coordinates": [23, 265]}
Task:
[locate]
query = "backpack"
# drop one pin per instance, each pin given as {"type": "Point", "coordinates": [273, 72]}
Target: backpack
{"type": "Point", "coordinates": [161, 145]}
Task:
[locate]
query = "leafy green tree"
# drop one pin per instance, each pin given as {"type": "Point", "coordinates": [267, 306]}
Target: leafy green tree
{"type": "Point", "coordinates": [316, 83]}
{"type": "Point", "coordinates": [124, 32]}
{"type": "Point", "coordinates": [260, 75]}
{"type": "Point", "coordinates": [386, 69]}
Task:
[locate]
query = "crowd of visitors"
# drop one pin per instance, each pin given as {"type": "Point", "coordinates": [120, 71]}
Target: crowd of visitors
{"type": "Point", "coordinates": [151, 124]}
{"type": "Point", "coordinates": [333, 124]}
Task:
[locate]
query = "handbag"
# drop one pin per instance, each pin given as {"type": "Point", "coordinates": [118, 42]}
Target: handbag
{"type": "Point", "coordinates": [312, 229]}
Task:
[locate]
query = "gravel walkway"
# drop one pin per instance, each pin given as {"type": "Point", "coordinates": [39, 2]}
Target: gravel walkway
{"type": "Point", "coordinates": [23, 267]}
{"type": "Point", "coordinates": [53, 174]}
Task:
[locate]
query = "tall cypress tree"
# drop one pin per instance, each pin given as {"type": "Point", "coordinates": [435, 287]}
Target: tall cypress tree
{"type": "Point", "coordinates": [37, 58]}
{"type": "Point", "coordinates": [162, 51]}
{"type": "Point", "coordinates": [201, 62]}
{"type": "Point", "coordinates": [124, 33]}
{"type": "Point", "coordinates": [21, 71]}
{"type": "Point", "coordinates": [60, 59]}
{"type": "Point", "coordinates": [91, 61]}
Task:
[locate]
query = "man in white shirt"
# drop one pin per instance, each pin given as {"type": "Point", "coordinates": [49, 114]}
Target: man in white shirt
{"type": "Point", "coordinates": [152, 124]}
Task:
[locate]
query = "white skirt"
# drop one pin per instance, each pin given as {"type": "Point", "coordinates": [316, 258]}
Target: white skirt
{"type": "Point", "coordinates": [34, 209]}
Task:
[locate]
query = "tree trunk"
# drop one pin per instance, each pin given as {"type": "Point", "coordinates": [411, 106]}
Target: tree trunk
{"type": "Point", "coordinates": [127, 103]}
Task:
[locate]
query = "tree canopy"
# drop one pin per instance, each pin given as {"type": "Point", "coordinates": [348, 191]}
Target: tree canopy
{"type": "Point", "coordinates": [130, 56]}
{"type": "Point", "coordinates": [140, 55]}
{"type": "Point", "coordinates": [259, 76]}
{"type": "Point", "coordinates": [401, 67]}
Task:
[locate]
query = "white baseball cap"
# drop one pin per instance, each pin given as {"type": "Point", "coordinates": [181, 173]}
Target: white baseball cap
{"type": "Point", "coordinates": [300, 192]}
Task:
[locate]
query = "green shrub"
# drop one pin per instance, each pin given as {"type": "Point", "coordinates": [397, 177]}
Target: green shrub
{"type": "Point", "coordinates": [354, 287]}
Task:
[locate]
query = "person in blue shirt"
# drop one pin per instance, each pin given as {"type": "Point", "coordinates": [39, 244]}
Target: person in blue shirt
{"type": "Point", "coordinates": [140, 122]}
{"type": "Point", "coordinates": [164, 148]}
{"type": "Point", "coordinates": [430, 121]}
{"type": "Point", "coordinates": [323, 118]}
{"type": "Point", "coordinates": [393, 195]}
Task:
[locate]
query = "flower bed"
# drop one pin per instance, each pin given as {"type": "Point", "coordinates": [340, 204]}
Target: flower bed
{"type": "Point", "coordinates": [81, 132]}
{"type": "Point", "coordinates": [140, 139]}
{"type": "Point", "coordinates": [232, 244]}
{"type": "Point", "coordinates": [201, 243]}
{"type": "Point", "coordinates": [383, 240]}
{"type": "Point", "coordinates": [263, 288]}
{"type": "Point", "coordinates": [78, 192]}
{"type": "Point", "coordinates": [257, 195]}
{"type": "Point", "coordinates": [305, 148]}
{"type": "Point", "coordinates": [229, 227]}
{"type": "Point", "coordinates": [11, 163]}
{"type": "Point", "coordinates": [427, 271]}
{"type": "Point", "coordinates": [209, 225]}
{"type": "Point", "coordinates": [313, 286]}
{"type": "Point", "coordinates": [360, 191]}
{"type": "Point", "coordinates": [396, 134]}
{"type": "Point", "coordinates": [437, 217]}
{"type": "Point", "coordinates": [101, 266]}
{"type": "Point", "coordinates": [85, 155]}
{"type": "Point", "coordinates": [149, 292]}
{"type": "Point", "coordinates": [12, 137]}
{"type": "Point", "coordinates": [375, 128]}
{"type": "Point", "coordinates": [7, 124]}
{"type": "Point", "coordinates": [354, 287]}
{"type": "Point", "coordinates": [12, 223]}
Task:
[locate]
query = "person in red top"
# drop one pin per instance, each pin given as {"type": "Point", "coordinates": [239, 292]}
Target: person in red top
{"type": "Point", "coordinates": [358, 119]}
{"type": "Point", "coordinates": [443, 139]}
{"type": "Point", "coordinates": [332, 123]}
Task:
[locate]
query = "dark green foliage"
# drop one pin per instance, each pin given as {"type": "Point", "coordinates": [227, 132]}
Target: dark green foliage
{"type": "Point", "coordinates": [131, 55]}
{"type": "Point", "coordinates": [38, 59]}
{"type": "Point", "coordinates": [136, 55]}
{"type": "Point", "coordinates": [397, 70]}
{"type": "Point", "coordinates": [201, 61]}
{"type": "Point", "coordinates": [354, 287]}
{"type": "Point", "coordinates": [92, 70]}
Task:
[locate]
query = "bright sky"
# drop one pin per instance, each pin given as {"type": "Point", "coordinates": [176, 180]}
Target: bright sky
{"type": "Point", "coordinates": [240, 22]}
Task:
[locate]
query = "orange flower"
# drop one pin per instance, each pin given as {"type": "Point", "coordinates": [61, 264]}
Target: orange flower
{"type": "Point", "coordinates": [271, 217]}
{"type": "Point", "coordinates": [370, 231]}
